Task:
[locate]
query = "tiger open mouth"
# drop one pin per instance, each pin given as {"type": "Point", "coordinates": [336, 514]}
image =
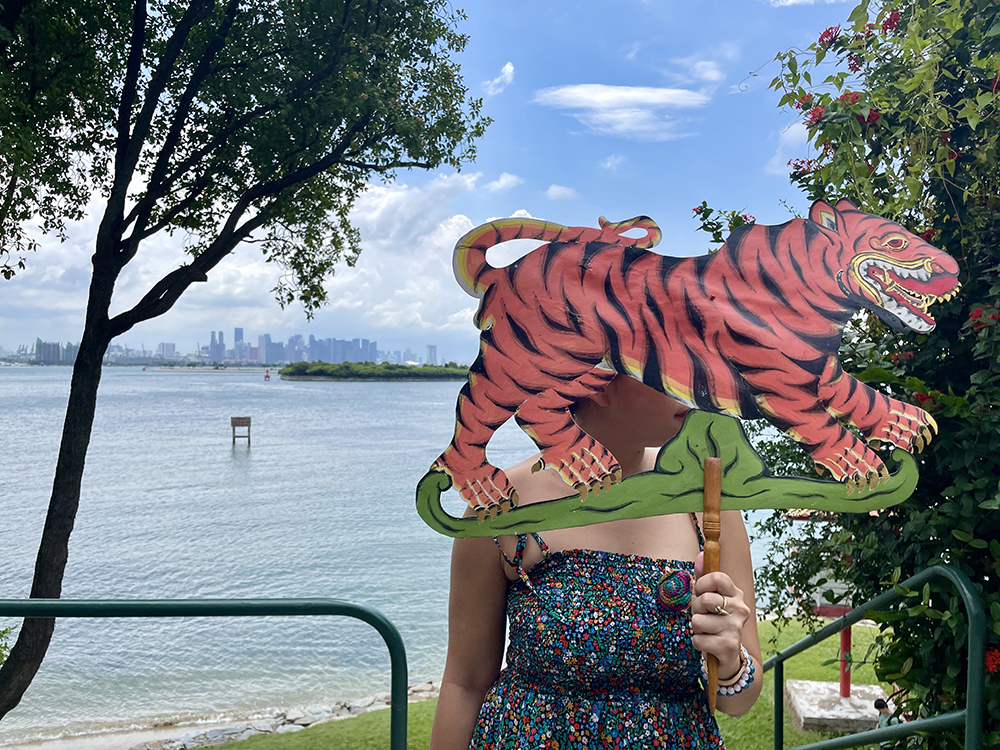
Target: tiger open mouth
{"type": "Point", "coordinates": [907, 290]}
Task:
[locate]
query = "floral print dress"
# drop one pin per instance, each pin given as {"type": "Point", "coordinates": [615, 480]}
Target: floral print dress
{"type": "Point", "coordinates": [594, 662]}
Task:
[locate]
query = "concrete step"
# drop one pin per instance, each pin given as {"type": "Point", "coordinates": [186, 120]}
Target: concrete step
{"type": "Point", "coordinates": [819, 707]}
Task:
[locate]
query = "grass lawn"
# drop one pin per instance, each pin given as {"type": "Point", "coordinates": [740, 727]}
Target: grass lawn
{"type": "Point", "coordinates": [754, 731]}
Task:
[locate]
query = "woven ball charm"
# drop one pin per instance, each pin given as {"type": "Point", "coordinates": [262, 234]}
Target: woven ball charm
{"type": "Point", "coordinates": [673, 592]}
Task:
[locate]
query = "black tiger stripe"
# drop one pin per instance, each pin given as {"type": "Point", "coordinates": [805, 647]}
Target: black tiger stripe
{"type": "Point", "coordinates": [488, 339]}
{"type": "Point", "coordinates": [512, 275]}
{"type": "Point", "coordinates": [555, 323]}
{"type": "Point", "coordinates": [694, 316]}
{"type": "Point", "coordinates": [701, 264]}
{"type": "Point", "coordinates": [798, 269]}
{"type": "Point", "coordinates": [522, 336]}
{"type": "Point", "coordinates": [613, 300]}
{"type": "Point", "coordinates": [654, 308]}
{"type": "Point", "coordinates": [814, 366]}
{"type": "Point", "coordinates": [651, 373]}
{"type": "Point", "coordinates": [573, 314]}
{"type": "Point", "coordinates": [552, 251]}
{"type": "Point", "coordinates": [667, 264]}
{"type": "Point", "coordinates": [771, 285]}
{"type": "Point", "coordinates": [700, 392]}
{"type": "Point", "coordinates": [739, 338]}
{"type": "Point", "coordinates": [614, 347]}
{"type": "Point", "coordinates": [590, 250]}
{"type": "Point", "coordinates": [581, 358]}
{"type": "Point", "coordinates": [744, 312]}
{"type": "Point", "coordinates": [630, 254]}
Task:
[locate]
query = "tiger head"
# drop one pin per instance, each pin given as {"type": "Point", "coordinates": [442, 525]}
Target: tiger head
{"type": "Point", "coordinates": [891, 272]}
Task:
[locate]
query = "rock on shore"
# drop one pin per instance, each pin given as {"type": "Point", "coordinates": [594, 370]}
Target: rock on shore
{"type": "Point", "coordinates": [292, 720]}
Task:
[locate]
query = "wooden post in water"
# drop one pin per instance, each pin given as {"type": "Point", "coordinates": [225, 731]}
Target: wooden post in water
{"type": "Point", "coordinates": [711, 525]}
{"type": "Point", "coordinates": [240, 422]}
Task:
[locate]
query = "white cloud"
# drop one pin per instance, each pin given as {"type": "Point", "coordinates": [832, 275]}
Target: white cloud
{"type": "Point", "coordinates": [613, 162]}
{"type": "Point", "coordinates": [632, 112]}
{"type": "Point", "coordinates": [501, 82]}
{"type": "Point", "coordinates": [504, 182]}
{"type": "Point", "coordinates": [560, 193]}
{"type": "Point", "coordinates": [791, 144]}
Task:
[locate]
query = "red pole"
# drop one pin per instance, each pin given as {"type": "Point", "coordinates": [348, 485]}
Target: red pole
{"type": "Point", "coordinates": [845, 674]}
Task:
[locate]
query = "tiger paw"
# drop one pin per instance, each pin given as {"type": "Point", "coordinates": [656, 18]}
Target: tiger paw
{"type": "Point", "coordinates": [908, 427]}
{"type": "Point", "coordinates": [485, 488]}
{"type": "Point", "coordinates": [856, 465]}
{"type": "Point", "coordinates": [588, 467]}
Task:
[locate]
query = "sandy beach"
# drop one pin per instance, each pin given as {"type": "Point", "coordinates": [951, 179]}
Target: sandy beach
{"type": "Point", "coordinates": [114, 740]}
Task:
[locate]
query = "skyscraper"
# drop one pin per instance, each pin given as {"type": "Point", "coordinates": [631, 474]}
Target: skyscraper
{"type": "Point", "coordinates": [432, 354]}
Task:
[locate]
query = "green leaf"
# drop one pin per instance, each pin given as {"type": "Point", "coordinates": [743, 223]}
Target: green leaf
{"type": "Point", "coordinates": [978, 544]}
{"type": "Point", "coordinates": [992, 504]}
{"type": "Point", "coordinates": [961, 535]}
{"type": "Point", "coordinates": [877, 375]}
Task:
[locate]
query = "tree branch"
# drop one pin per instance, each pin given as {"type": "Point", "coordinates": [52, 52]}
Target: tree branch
{"type": "Point", "coordinates": [154, 189]}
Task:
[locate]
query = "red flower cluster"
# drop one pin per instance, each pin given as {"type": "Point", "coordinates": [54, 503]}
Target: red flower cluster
{"type": "Point", "coordinates": [697, 209]}
{"type": "Point", "coordinates": [871, 119]}
{"type": "Point", "coordinates": [928, 234]}
{"type": "Point", "coordinates": [854, 62]}
{"type": "Point", "coordinates": [980, 324]}
{"type": "Point", "coordinates": [749, 218]}
{"type": "Point", "coordinates": [992, 661]}
{"type": "Point", "coordinates": [903, 355]}
{"type": "Point", "coordinates": [850, 97]}
{"type": "Point", "coordinates": [944, 137]}
{"type": "Point", "coordinates": [814, 115]}
{"type": "Point", "coordinates": [926, 401]}
{"type": "Point", "coordinates": [891, 22]}
{"type": "Point", "coordinates": [804, 101]}
{"type": "Point", "coordinates": [952, 155]}
{"type": "Point", "coordinates": [829, 36]}
{"type": "Point", "coordinates": [803, 166]}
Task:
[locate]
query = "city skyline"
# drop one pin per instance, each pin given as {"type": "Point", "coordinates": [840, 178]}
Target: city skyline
{"type": "Point", "coordinates": [268, 350]}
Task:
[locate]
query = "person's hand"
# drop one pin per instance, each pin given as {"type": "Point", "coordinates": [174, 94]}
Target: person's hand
{"type": "Point", "coordinates": [715, 631]}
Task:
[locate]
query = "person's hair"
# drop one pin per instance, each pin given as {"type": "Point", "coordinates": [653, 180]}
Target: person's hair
{"type": "Point", "coordinates": [880, 704]}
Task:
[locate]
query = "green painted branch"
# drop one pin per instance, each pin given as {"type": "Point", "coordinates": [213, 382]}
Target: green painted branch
{"type": "Point", "coordinates": [676, 485]}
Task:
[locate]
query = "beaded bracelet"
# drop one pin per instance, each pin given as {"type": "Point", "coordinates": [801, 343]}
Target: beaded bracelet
{"type": "Point", "coordinates": [739, 682]}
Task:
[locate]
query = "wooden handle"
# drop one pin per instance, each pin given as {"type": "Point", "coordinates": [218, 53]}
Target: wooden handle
{"type": "Point", "coordinates": [711, 525]}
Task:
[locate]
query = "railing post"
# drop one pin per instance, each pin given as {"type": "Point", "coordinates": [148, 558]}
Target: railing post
{"type": "Point", "coordinates": [779, 705]}
{"type": "Point", "coordinates": [845, 665]}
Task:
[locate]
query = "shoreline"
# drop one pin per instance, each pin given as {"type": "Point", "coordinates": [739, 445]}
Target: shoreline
{"type": "Point", "coordinates": [207, 731]}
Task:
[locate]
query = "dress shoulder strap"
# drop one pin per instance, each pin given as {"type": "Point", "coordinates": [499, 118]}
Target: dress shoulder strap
{"type": "Point", "coordinates": [697, 529]}
{"type": "Point", "coordinates": [515, 563]}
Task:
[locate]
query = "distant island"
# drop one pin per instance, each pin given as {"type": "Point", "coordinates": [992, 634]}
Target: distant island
{"type": "Point", "coordinates": [371, 371]}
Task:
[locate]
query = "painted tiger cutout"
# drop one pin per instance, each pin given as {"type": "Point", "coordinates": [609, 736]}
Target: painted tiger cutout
{"type": "Point", "coordinates": [751, 330]}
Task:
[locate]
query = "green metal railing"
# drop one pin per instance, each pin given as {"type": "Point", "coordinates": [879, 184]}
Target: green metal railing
{"type": "Point", "coordinates": [93, 608]}
{"type": "Point", "coordinates": [971, 716]}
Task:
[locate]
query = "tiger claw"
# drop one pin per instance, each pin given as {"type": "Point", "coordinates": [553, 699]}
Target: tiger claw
{"type": "Point", "coordinates": [926, 435]}
{"type": "Point", "coordinates": [582, 488]}
{"type": "Point", "coordinates": [875, 444]}
{"type": "Point", "coordinates": [606, 482]}
{"type": "Point", "coordinates": [492, 512]}
{"type": "Point", "coordinates": [932, 423]}
{"type": "Point", "coordinates": [537, 466]}
{"type": "Point", "coordinates": [918, 443]}
{"type": "Point", "coordinates": [514, 498]}
{"type": "Point", "coordinates": [884, 472]}
{"type": "Point", "coordinates": [616, 475]}
{"type": "Point", "coordinates": [851, 486]}
{"type": "Point", "coordinates": [504, 507]}
{"type": "Point", "coordinates": [481, 515]}
{"type": "Point", "coordinates": [819, 469]}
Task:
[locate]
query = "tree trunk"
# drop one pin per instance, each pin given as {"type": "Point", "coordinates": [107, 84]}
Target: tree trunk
{"type": "Point", "coordinates": [33, 639]}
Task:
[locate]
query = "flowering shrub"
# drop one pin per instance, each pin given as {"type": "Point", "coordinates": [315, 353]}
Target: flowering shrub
{"type": "Point", "coordinates": [829, 36]}
{"type": "Point", "coordinates": [814, 115]}
{"type": "Point", "coordinates": [921, 146]}
{"type": "Point", "coordinates": [717, 222]}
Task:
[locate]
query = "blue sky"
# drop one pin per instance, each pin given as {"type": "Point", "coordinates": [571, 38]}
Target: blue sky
{"type": "Point", "coordinates": [615, 109]}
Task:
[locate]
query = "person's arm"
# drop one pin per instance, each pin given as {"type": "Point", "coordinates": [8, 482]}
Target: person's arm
{"type": "Point", "coordinates": [720, 634]}
{"type": "Point", "coordinates": [476, 620]}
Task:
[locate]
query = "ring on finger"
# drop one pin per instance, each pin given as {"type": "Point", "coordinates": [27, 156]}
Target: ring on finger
{"type": "Point", "coordinates": [721, 608]}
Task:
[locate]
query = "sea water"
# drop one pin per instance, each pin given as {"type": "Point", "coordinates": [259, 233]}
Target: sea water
{"type": "Point", "coordinates": [321, 504]}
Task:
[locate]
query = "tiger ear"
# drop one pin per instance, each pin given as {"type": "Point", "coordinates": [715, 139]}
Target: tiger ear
{"type": "Point", "coordinates": [824, 214]}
